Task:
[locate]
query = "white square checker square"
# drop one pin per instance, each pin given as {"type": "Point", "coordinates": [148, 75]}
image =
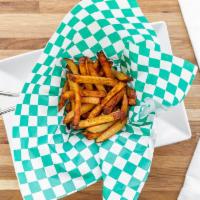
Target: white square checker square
{"type": "Point", "coordinates": [30, 176]}
{"type": "Point", "coordinates": [174, 79]}
{"type": "Point", "coordinates": [143, 60]}
{"type": "Point", "coordinates": [120, 163]}
{"type": "Point", "coordinates": [105, 42]}
{"type": "Point", "coordinates": [124, 178]}
{"type": "Point", "coordinates": [52, 41]}
{"type": "Point", "coordinates": [155, 55]}
{"type": "Point", "coordinates": [117, 13]}
{"type": "Point", "coordinates": [165, 65]}
{"type": "Point", "coordinates": [102, 6]}
{"type": "Point", "coordinates": [139, 173]}
{"type": "Point", "coordinates": [179, 94]}
{"type": "Point", "coordinates": [64, 177]}
{"type": "Point", "coordinates": [106, 167]}
{"type": "Point", "coordinates": [162, 83]}
{"type": "Point", "coordinates": [82, 14]}
{"type": "Point", "coordinates": [135, 158]}
{"type": "Point", "coordinates": [54, 51]}
{"type": "Point", "coordinates": [114, 196]}
{"type": "Point", "coordinates": [116, 148]}
{"type": "Point", "coordinates": [78, 26]}
{"type": "Point", "coordinates": [109, 182]}
{"type": "Point", "coordinates": [24, 188]}
{"type": "Point", "coordinates": [84, 168]}
{"type": "Point", "coordinates": [50, 171]}
{"type": "Point", "coordinates": [37, 163]}
{"type": "Point", "coordinates": [129, 193]}
{"type": "Point", "coordinates": [137, 11]}
{"type": "Point", "coordinates": [177, 61]}
{"type": "Point", "coordinates": [59, 190]}
{"type": "Point", "coordinates": [91, 41]}
{"type": "Point", "coordinates": [39, 195]}
{"type": "Point", "coordinates": [186, 75]}
{"type": "Point", "coordinates": [44, 184]}
{"type": "Point", "coordinates": [169, 97]}
{"type": "Point", "coordinates": [79, 182]}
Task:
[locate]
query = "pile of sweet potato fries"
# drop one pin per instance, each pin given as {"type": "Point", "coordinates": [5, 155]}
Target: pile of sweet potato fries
{"type": "Point", "coordinates": [96, 97]}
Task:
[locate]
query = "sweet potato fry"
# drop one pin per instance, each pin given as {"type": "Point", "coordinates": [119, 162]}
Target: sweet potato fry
{"type": "Point", "coordinates": [93, 93]}
{"type": "Point", "coordinates": [100, 119]}
{"type": "Point", "coordinates": [132, 102]}
{"type": "Point", "coordinates": [119, 86]}
{"type": "Point", "coordinates": [84, 109]}
{"type": "Point", "coordinates": [100, 128]}
{"type": "Point", "coordinates": [131, 92]}
{"type": "Point", "coordinates": [121, 76]}
{"type": "Point", "coordinates": [113, 102]}
{"type": "Point", "coordinates": [92, 100]}
{"type": "Point", "coordinates": [94, 73]}
{"type": "Point", "coordinates": [83, 71]}
{"type": "Point", "coordinates": [92, 80]}
{"type": "Point", "coordinates": [95, 112]}
{"type": "Point", "coordinates": [111, 131]}
{"type": "Point", "coordinates": [72, 66]}
{"type": "Point", "coordinates": [91, 136]}
{"type": "Point", "coordinates": [124, 107]}
{"type": "Point", "coordinates": [105, 64]}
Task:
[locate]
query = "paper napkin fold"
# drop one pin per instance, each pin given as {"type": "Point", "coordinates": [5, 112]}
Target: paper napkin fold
{"type": "Point", "coordinates": [191, 15]}
{"type": "Point", "coordinates": [191, 186]}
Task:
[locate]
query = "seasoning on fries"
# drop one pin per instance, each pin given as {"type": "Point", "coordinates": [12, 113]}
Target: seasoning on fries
{"type": "Point", "coordinates": [96, 97]}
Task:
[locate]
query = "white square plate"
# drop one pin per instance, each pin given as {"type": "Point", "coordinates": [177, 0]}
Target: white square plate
{"type": "Point", "coordinates": [169, 127]}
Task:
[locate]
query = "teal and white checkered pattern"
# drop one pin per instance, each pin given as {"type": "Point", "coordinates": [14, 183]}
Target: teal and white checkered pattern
{"type": "Point", "coordinates": [51, 161]}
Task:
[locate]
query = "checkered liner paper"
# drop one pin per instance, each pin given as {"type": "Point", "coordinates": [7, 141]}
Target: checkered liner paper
{"type": "Point", "coordinates": [52, 162]}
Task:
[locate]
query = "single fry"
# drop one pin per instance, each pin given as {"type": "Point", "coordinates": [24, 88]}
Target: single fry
{"type": "Point", "coordinates": [95, 112]}
{"type": "Point", "coordinates": [132, 102]}
{"type": "Point", "coordinates": [72, 66]}
{"type": "Point", "coordinates": [124, 107]}
{"type": "Point", "coordinates": [94, 73]}
{"type": "Point", "coordinates": [131, 92]}
{"type": "Point", "coordinates": [111, 131]}
{"type": "Point", "coordinates": [83, 71]}
{"type": "Point", "coordinates": [77, 100]}
{"type": "Point", "coordinates": [62, 101]}
{"type": "Point", "coordinates": [99, 128]}
{"type": "Point", "coordinates": [100, 119]}
{"type": "Point", "coordinates": [112, 92]}
{"type": "Point", "coordinates": [92, 80]}
{"type": "Point", "coordinates": [121, 76]}
{"type": "Point", "coordinates": [91, 136]}
{"type": "Point", "coordinates": [105, 64]}
{"type": "Point", "coordinates": [91, 100]}
{"type": "Point", "coordinates": [113, 102]}
{"type": "Point", "coordinates": [93, 93]}
{"type": "Point", "coordinates": [84, 109]}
